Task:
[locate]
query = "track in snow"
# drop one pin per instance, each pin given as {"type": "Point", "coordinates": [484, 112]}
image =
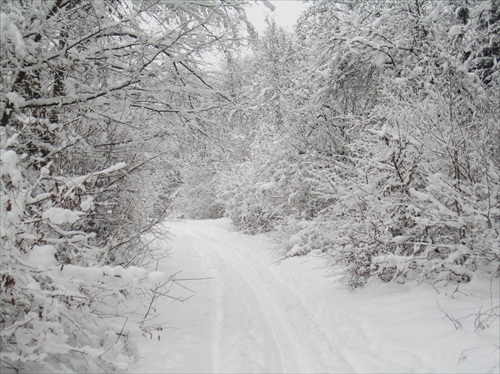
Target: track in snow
{"type": "Point", "coordinates": [252, 330]}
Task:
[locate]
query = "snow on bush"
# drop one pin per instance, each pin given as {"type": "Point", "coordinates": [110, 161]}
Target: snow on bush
{"type": "Point", "coordinates": [57, 297]}
{"type": "Point", "coordinates": [384, 154]}
{"type": "Point", "coordinates": [196, 197]}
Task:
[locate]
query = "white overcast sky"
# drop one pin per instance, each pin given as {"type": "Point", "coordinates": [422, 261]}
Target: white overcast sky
{"type": "Point", "coordinates": [285, 13]}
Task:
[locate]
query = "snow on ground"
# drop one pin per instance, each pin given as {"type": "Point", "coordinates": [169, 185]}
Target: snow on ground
{"type": "Point", "coordinates": [258, 314]}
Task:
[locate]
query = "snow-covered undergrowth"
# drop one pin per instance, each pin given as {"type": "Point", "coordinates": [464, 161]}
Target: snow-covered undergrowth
{"type": "Point", "coordinates": [63, 307]}
{"type": "Point", "coordinates": [250, 310]}
{"type": "Point", "coordinates": [72, 318]}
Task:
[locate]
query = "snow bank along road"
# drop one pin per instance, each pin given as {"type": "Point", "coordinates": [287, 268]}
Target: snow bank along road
{"type": "Point", "coordinates": [257, 314]}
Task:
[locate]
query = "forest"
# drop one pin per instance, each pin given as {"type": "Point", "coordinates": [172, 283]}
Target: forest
{"type": "Point", "coordinates": [369, 134]}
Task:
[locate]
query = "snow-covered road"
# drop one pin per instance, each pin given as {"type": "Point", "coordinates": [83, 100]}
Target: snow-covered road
{"type": "Point", "coordinates": [251, 313]}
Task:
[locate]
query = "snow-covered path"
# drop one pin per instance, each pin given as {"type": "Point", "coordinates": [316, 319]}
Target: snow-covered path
{"type": "Point", "coordinates": [252, 313]}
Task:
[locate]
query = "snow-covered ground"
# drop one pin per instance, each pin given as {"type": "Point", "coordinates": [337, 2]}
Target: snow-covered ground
{"type": "Point", "coordinates": [255, 313]}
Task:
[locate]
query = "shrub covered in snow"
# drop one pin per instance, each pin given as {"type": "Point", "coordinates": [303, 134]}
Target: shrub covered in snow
{"type": "Point", "coordinates": [383, 154]}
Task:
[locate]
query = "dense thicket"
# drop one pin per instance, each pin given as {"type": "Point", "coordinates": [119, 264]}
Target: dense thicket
{"type": "Point", "coordinates": [97, 100]}
{"type": "Point", "coordinates": [375, 138]}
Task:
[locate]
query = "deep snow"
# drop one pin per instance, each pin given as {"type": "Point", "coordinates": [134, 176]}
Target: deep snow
{"type": "Point", "coordinates": [253, 312]}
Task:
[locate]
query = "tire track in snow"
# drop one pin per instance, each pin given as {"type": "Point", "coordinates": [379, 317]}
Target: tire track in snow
{"type": "Point", "coordinates": [217, 328]}
{"type": "Point", "coordinates": [275, 316]}
{"type": "Point", "coordinates": [241, 341]}
{"type": "Point", "coordinates": [310, 325]}
{"type": "Point", "coordinates": [258, 321]}
{"type": "Point", "coordinates": [232, 270]}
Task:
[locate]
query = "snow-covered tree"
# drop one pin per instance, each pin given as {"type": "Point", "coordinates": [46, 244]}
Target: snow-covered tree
{"type": "Point", "coordinates": [94, 99]}
{"type": "Point", "coordinates": [388, 144]}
